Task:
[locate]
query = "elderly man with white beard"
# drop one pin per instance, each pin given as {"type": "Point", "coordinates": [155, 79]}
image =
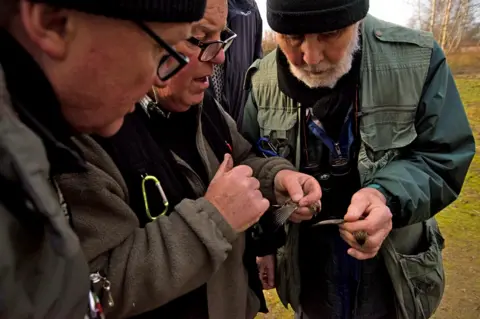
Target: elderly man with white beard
{"type": "Point", "coordinates": [371, 110]}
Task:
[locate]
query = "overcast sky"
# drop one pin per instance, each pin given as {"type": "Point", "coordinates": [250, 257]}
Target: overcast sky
{"type": "Point", "coordinates": [396, 11]}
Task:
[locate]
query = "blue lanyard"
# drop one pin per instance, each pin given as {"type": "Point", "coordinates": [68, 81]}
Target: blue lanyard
{"type": "Point", "coordinates": [266, 147]}
{"type": "Point", "coordinates": [338, 149]}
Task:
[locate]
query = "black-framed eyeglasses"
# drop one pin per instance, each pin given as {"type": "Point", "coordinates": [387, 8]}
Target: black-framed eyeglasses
{"type": "Point", "coordinates": [210, 49]}
{"type": "Point", "coordinates": [171, 62]}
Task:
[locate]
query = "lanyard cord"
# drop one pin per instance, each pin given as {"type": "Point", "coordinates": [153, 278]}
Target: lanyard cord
{"type": "Point", "coordinates": [346, 135]}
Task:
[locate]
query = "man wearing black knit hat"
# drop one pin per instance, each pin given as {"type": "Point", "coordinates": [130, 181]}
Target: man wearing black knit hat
{"type": "Point", "coordinates": [68, 67]}
{"type": "Point", "coordinates": [371, 110]}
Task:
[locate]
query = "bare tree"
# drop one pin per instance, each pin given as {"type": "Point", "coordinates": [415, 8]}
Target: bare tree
{"type": "Point", "coordinates": [432, 14]}
{"type": "Point", "coordinates": [445, 23]}
{"type": "Point", "coordinates": [269, 43]}
{"type": "Point", "coordinates": [452, 22]}
{"type": "Point", "coordinates": [457, 27]}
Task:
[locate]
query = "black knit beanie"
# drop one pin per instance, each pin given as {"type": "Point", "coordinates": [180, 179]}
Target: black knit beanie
{"type": "Point", "coordinates": [140, 10]}
{"type": "Point", "coordinates": [314, 16]}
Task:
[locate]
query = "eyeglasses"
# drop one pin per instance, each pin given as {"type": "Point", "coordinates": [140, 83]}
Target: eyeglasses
{"type": "Point", "coordinates": [210, 49]}
{"type": "Point", "coordinates": [170, 63]}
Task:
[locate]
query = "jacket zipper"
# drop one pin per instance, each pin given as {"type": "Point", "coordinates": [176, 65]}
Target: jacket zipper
{"type": "Point", "coordinates": [199, 140]}
{"type": "Point", "coordinates": [106, 285]}
{"type": "Point", "coordinates": [192, 175]}
{"type": "Point", "coordinates": [337, 149]}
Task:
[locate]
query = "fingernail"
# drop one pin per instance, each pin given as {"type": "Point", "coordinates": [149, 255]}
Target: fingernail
{"type": "Point", "coordinates": [297, 197]}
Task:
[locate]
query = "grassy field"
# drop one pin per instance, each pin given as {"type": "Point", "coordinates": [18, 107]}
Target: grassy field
{"type": "Point", "coordinates": [460, 225]}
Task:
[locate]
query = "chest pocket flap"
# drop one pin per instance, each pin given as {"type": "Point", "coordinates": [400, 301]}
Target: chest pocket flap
{"type": "Point", "coordinates": [394, 69]}
{"type": "Point", "coordinates": [276, 123]}
{"type": "Point", "coordinates": [385, 128]}
{"type": "Point", "coordinates": [400, 34]}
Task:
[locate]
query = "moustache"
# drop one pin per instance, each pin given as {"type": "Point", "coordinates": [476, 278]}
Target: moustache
{"type": "Point", "coordinates": [316, 68]}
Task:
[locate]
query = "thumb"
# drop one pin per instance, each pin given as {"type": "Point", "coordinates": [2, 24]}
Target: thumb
{"type": "Point", "coordinates": [293, 187]}
{"type": "Point", "coordinates": [312, 191]}
{"type": "Point", "coordinates": [225, 167]}
{"type": "Point", "coordinates": [357, 208]}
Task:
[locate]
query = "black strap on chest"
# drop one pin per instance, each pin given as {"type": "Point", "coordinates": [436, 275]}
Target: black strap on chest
{"type": "Point", "coordinates": [342, 151]}
{"type": "Point", "coordinates": [335, 165]}
{"type": "Point", "coordinates": [215, 127]}
{"type": "Point", "coordinates": [138, 151]}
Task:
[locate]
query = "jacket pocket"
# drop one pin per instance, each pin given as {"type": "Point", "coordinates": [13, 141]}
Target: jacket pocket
{"type": "Point", "coordinates": [275, 123]}
{"type": "Point", "coordinates": [424, 272]}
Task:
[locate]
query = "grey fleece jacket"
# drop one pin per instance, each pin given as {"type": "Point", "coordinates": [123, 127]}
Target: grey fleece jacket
{"type": "Point", "coordinates": [175, 254]}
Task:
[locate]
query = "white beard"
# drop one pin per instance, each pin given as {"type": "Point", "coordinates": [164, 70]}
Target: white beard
{"type": "Point", "coordinates": [330, 73]}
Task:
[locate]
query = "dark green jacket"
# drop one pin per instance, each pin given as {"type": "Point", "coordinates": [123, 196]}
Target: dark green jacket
{"type": "Point", "coordinates": [43, 273]}
{"type": "Point", "coordinates": [416, 143]}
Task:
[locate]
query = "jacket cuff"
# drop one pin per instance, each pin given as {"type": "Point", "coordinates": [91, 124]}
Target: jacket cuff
{"type": "Point", "coordinates": [392, 203]}
{"type": "Point", "coordinates": [382, 190]}
{"type": "Point", "coordinates": [267, 177]}
{"type": "Point", "coordinates": [227, 231]}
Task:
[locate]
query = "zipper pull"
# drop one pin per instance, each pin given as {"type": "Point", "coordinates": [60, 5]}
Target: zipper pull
{"type": "Point", "coordinates": [96, 277]}
{"type": "Point", "coordinates": [106, 285]}
{"type": "Point", "coordinates": [337, 148]}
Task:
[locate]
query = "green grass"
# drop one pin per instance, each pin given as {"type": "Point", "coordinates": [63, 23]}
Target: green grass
{"type": "Point", "coordinates": [460, 225]}
{"type": "Point", "coordinates": [464, 63]}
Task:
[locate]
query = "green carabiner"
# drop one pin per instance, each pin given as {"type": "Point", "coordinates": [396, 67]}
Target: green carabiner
{"type": "Point", "coordinates": [160, 190]}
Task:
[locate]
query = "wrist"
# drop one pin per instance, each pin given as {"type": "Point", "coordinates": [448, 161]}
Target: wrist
{"type": "Point", "coordinates": [269, 177]}
{"type": "Point", "coordinates": [380, 192]}
{"type": "Point", "coordinates": [280, 175]}
{"type": "Point", "coordinates": [390, 201]}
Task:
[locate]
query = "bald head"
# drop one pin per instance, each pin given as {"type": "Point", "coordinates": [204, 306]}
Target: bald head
{"type": "Point", "coordinates": [216, 12]}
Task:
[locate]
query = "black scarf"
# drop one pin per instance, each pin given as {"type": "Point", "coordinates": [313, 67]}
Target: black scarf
{"type": "Point", "coordinates": [144, 146]}
{"type": "Point", "coordinates": [137, 154]}
{"type": "Point", "coordinates": [330, 105]}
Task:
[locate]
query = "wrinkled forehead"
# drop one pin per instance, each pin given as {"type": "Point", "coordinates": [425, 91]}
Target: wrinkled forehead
{"type": "Point", "coordinates": [172, 33]}
{"type": "Point", "coordinates": [214, 19]}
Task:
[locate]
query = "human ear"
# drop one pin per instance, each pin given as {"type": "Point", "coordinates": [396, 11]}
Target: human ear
{"type": "Point", "coordinates": [47, 27]}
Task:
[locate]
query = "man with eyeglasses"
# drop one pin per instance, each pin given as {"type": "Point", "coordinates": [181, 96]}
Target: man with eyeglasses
{"type": "Point", "coordinates": [173, 193]}
{"type": "Point", "coordinates": [67, 67]}
{"type": "Point", "coordinates": [228, 78]}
